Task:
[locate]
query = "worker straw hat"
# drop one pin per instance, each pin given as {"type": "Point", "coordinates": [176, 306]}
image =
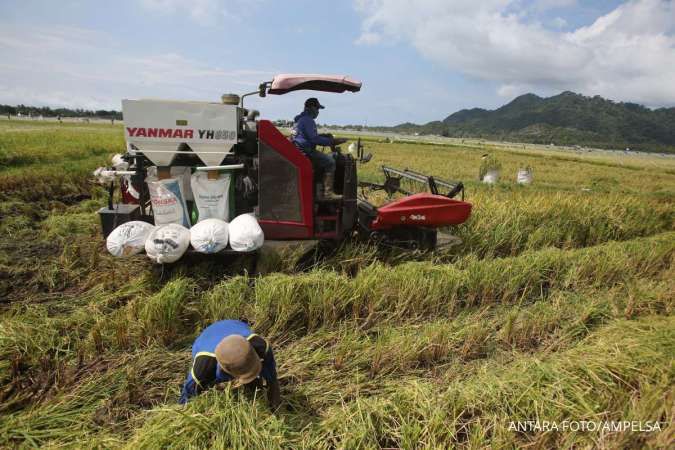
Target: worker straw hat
{"type": "Point", "coordinates": [237, 357]}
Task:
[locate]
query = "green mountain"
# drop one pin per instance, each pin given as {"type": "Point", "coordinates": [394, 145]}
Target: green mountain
{"type": "Point", "coordinates": [564, 119]}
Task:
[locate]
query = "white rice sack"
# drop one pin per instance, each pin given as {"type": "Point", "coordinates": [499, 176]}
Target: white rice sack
{"type": "Point", "coordinates": [245, 233]}
{"type": "Point", "coordinates": [491, 177]}
{"type": "Point", "coordinates": [209, 236]}
{"type": "Point", "coordinates": [168, 201]}
{"type": "Point", "coordinates": [352, 149]}
{"type": "Point", "coordinates": [211, 196]}
{"type": "Point", "coordinates": [182, 174]}
{"type": "Point", "coordinates": [524, 176]}
{"type": "Point", "coordinates": [129, 238]}
{"type": "Point", "coordinates": [167, 243]}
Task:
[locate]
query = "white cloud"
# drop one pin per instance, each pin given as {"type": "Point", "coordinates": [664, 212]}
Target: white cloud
{"type": "Point", "coordinates": [368, 38]}
{"type": "Point", "coordinates": [75, 67]}
{"type": "Point", "coordinates": [626, 54]}
{"type": "Point", "coordinates": [559, 22]}
{"type": "Point", "coordinates": [203, 12]}
{"type": "Point", "coordinates": [545, 5]}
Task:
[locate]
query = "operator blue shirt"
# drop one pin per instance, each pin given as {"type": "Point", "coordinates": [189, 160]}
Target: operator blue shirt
{"type": "Point", "coordinates": [205, 371]}
{"type": "Point", "coordinates": [305, 135]}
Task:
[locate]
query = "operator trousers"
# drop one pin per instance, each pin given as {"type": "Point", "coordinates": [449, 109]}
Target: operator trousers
{"type": "Point", "coordinates": [320, 161]}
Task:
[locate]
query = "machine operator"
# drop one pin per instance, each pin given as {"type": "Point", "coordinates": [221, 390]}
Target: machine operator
{"type": "Point", "coordinates": [229, 351]}
{"type": "Point", "coordinates": [306, 138]}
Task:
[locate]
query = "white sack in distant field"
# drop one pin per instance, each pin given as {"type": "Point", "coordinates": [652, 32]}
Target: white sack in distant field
{"type": "Point", "coordinates": [211, 195]}
{"type": "Point", "coordinates": [524, 176]}
{"type": "Point", "coordinates": [129, 238]}
{"type": "Point", "coordinates": [209, 236]}
{"type": "Point", "coordinates": [167, 243]}
{"type": "Point", "coordinates": [491, 177]}
{"type": "Point", "coordinates": [245, 233]}
{"type": "Point", "coordinates": [168, 201]}
{"type": "Point", "coordinates": [352, 149]}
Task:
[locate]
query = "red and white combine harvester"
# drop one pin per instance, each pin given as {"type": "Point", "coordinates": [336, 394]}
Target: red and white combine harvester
{"type": "Point", "coordinates": [271, 177]}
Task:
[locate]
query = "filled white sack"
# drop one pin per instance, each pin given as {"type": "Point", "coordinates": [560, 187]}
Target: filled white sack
{"type": "Point", "coordinates": [352, 150]}
{"type": "Point", "coordinates": [129, 238]}
{"type": "Point", "coordinates": [211, 195]}
{"type": "Point", "coordinates": [524, 176]}
{"type": "Point", "coordinates": [168, 201]}
{"type": "Point", "coordinates": [209, 235]}
{"type": "Point", "coordinates": [181, 173]}
{"type": "Point", "coordinates": [245, 233]}
{"type": "Point", "coordinates": [167, 243]}
{"type": "Point", "coordinates": [491, 177]}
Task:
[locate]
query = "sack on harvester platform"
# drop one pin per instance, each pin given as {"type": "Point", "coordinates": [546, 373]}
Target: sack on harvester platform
{"type": "Point", "coordinates": [129, 238]}
{"type": "Point", "coordinates": [209, 235]}
{"type": "Point", "coordinates": [168, 201]}
{"type": "Point", "coordinates": [245, 233]}
{"type": "Point", "coordinates": [181, 173]}
{"type": "Point", "coordinates": [167, 243]}
{"type": "Point", "coordinates": [211, 195]}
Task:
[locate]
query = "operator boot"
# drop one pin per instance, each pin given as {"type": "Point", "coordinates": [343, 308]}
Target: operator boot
{"type": "Point", "coordinates": [328, 193]}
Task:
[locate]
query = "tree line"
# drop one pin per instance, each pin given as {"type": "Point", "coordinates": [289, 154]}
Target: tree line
{"type": "Point", "coordinates": [45, 111]}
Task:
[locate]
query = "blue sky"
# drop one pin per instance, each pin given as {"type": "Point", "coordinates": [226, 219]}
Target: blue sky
{"type": "Point", "coordinates": [418, 60]}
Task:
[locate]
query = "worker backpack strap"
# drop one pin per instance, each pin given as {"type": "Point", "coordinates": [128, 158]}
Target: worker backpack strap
{"type": "Point", "coordinates": [204, 370]}
{"type": "Point", "coordinates": [260, 345]}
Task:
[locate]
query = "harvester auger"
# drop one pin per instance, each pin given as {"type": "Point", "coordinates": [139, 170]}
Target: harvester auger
{"type": "Point", "coordinates": [271, 177]}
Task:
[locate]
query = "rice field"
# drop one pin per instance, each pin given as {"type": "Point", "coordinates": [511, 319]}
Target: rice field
{"type": "Point", "coordinates": [557, 307]}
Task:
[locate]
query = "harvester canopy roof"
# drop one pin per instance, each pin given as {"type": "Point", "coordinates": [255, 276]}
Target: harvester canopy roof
{"type": "Point", "coordinates": [285, 82]}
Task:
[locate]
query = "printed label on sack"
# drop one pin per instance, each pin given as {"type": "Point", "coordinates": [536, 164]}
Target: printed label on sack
{"type": "Point", "coordinates": [167, 203]}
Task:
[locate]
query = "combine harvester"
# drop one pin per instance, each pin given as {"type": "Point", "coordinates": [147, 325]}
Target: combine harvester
{"type": "Point", "coordinates": [271, 177]}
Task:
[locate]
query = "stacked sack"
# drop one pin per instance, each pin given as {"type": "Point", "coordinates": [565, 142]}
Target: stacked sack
{"type": "Point", "coordinates": [211, 193]}
{"type": "Point", "coordinates": [170, 238]}
{"type": "Point", "coordinates": [168, 199]}
{"type": "Point", "coordinates": [246, 234]}
{"type": "Point", "coordinates": [168, 243]}
{"type": "Point", "coordinates": [209, 236]}
{"type": "Point", "coordinates": [129, 238]}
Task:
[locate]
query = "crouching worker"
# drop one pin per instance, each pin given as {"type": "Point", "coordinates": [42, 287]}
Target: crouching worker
{"type": "Point", "coordinates": [228, 351]}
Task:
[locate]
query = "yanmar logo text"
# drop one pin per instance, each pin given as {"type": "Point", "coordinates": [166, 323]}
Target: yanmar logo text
{"type": "Point", "coordinates": [178, 133]}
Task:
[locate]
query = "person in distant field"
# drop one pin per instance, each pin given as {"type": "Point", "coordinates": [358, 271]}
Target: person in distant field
{"type": "Point", "coordinates": [306, 138]}
{"type": "Point", "coordinates": [229, 351]}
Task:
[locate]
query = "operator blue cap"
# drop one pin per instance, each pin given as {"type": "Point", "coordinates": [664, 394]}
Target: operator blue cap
{"type": "Point", "coordinates": [313, 102]}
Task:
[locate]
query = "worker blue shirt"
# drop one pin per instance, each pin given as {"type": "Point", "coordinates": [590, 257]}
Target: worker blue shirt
{"type": "Point", "coordinates": [205, 372]}
{"type": "Point", "coordinates": [305, 135]}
